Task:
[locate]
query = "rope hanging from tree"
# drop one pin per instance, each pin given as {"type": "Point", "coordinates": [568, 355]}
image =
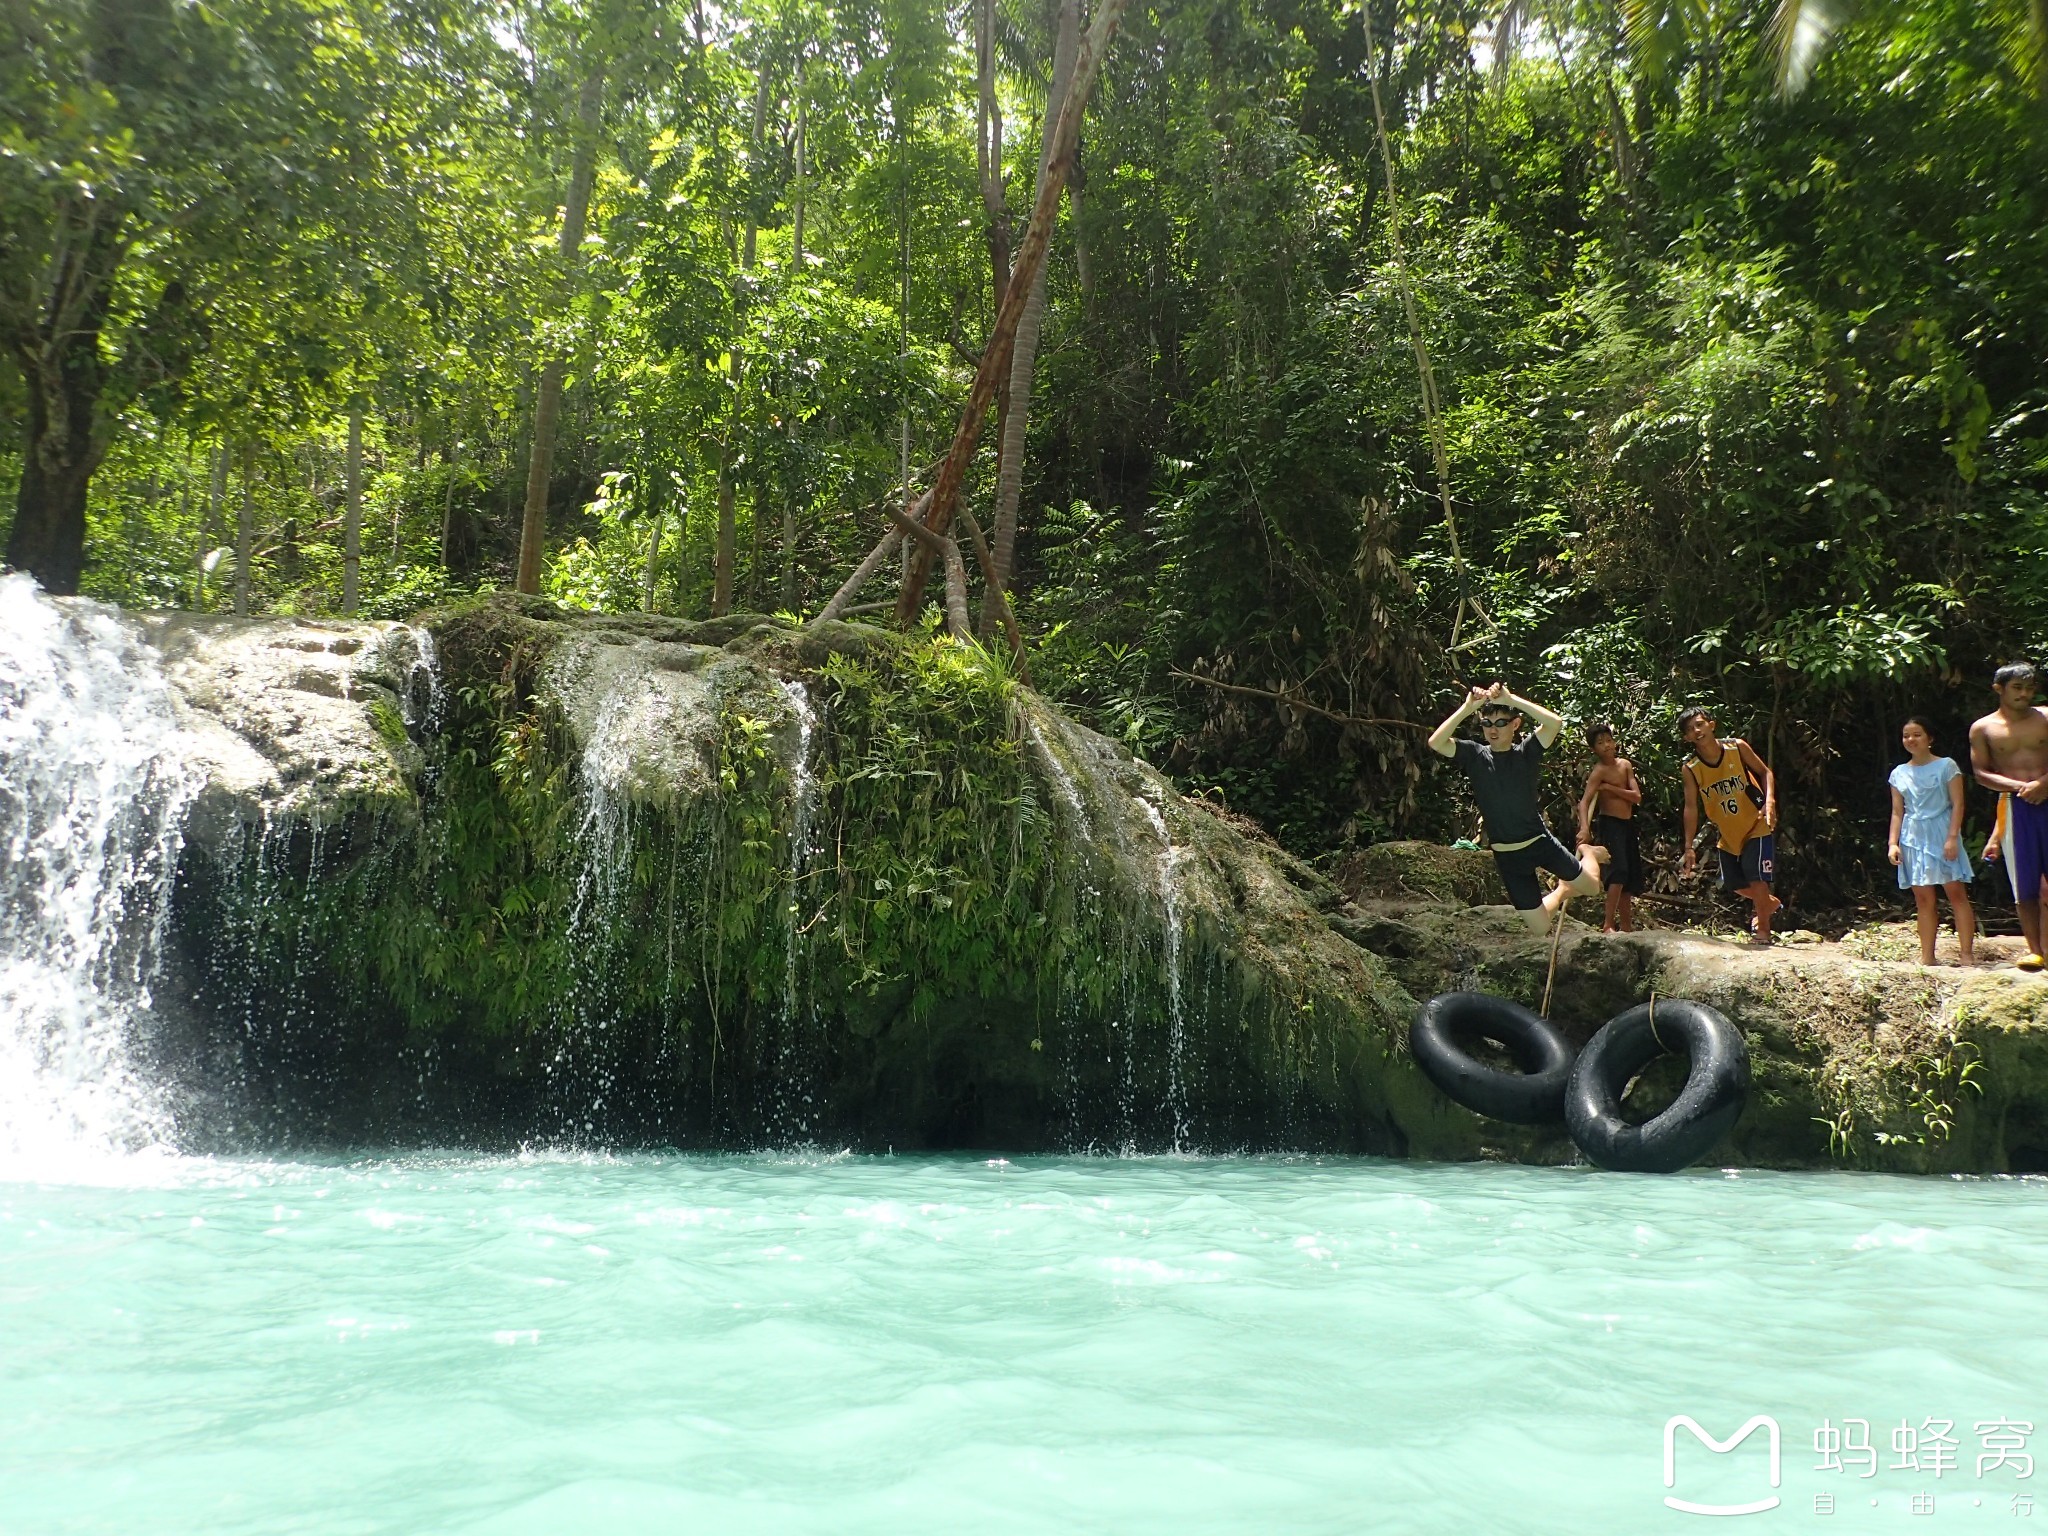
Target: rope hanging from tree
{"type": "Point", "coordinates": [1431, 408]}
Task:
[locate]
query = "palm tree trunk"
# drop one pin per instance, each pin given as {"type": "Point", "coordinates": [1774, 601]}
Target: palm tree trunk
{"type": "Point", "coordinates": [727, 555]}
{"type": "Point", "coordinates": [209, 520]}
{"type": "Point", "coordinates": [245, 530]}
{"type": "Point", "coordinates": [658, 519]}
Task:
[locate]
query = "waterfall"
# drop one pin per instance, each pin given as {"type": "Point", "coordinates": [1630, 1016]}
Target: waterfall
{"type": "Point", "coordinates": [1069, 791]}
{"type": "Point", "coordinates": [423, 700]}
{"type": "Point", "coordinates": [1176, 1022]}
{"type": "Point", "coordinates": [797, 1076]}
{"type": "Point", "coordinates": [92, 801]}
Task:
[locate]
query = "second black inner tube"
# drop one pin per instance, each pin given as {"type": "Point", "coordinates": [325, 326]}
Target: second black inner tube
{"type": "Point", "coordinates": [1716, 1087]}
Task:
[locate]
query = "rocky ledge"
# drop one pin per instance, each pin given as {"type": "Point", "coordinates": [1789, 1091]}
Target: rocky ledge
{"type": "Point", "coordinates": [512, 871]}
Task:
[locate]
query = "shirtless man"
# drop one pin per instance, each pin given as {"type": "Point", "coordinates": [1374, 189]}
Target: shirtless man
{"type": "Point", "coordinates": [1503, 774]}
{"type": "Point", "coordinates": [1607, 812]}
{"type": "Point", "coordinates": [2009, 753]}
{"type": "Point", "coordinates": [1745, 828]}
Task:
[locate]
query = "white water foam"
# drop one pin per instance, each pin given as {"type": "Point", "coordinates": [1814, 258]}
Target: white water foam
{"type": "Point", "coordinates": [1176, 1022]}
{"type": "Point", "coordinates": [92, 800]}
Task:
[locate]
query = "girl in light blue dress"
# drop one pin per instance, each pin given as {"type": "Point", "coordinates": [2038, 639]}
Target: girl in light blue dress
{"type": "Point", "coordinates": [1927, 838]}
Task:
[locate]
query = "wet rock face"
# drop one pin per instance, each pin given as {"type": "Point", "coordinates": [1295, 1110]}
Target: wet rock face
{"type": "Point", "coordinates": [289, 719]}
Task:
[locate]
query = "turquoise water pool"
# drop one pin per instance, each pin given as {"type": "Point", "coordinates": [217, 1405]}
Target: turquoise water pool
{"type": "Point", "coordinates": [564, 1343]}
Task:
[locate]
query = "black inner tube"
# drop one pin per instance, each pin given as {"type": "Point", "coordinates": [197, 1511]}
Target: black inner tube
{"type": "Point", "coordinates": [1448, 1027]}
{"type": "Point", "coordinates": [1686, 1130]}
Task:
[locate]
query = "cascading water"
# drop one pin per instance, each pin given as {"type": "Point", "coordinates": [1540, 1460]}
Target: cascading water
{"type": "Point", "coordinates": [1069, 790]}
{"type": "Point", "coordinates": [92, 801]}
{"type": "Point", "coordinates": [1176, 1022]}
{"type": "Point", "coordinates": [604, 848]}
{"type": "Point", "coordinates": [424, 698]}
{"type": "Point", "coordinates": [796, 1077]}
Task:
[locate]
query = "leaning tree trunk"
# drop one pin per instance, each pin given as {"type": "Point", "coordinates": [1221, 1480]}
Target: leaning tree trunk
{"type": "Point", "coordinates": [1024, 352]}
{"type": "Point", "coordinates": [995, 358]}
{"type": "Point", "coordinates": [547, 407]}
{"type": "Point", "coordinates": [988, 150]}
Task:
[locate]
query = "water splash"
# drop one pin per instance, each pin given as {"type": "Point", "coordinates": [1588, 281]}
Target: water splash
{"type": "Point", "coordinates": [93, 795]}
{"type": "Point", "coordinates": [1168, 866]}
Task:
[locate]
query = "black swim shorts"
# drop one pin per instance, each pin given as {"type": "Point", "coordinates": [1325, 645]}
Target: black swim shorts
{"type": "Point", "coordinates": [1518, 868]}
{"type": "Point", "coordinates": [1624, 867]}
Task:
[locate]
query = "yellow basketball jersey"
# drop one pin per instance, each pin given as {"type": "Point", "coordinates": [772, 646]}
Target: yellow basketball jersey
{"type": "Point", "coordinates": [1723, 788]}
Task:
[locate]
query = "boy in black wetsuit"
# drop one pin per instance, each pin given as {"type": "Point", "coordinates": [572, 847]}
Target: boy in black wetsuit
{"type": "Point", "coordinates": [1503, 774]}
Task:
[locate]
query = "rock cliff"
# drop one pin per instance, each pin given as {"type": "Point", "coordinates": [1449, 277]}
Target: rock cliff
{"type": "Point", "coordinates": [514, 872]}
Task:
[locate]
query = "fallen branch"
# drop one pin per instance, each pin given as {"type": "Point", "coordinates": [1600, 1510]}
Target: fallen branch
{"type": "Point", "coordinates": [1288, 698]}
{"type": "Point", "coordinates": [864, 572]}
{"type": "Point", "coordinates": [838, 608]}
{"type": "Point", "coordinates": [947, 551]}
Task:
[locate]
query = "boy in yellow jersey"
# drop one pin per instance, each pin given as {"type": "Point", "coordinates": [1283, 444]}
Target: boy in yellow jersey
{"type": "Point", "coordinates": [1719, 775]}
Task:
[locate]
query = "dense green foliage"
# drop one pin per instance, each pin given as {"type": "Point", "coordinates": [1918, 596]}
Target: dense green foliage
{"type": "Point", "coordinates": [1746, 394]}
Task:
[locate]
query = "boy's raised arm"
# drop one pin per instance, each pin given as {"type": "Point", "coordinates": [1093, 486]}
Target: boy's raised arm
{"type": "Point", "coordinates": [1547, 724]}
{"type": "Point", "coordinates": [1692, 821]}
{"type": "Point", "coordinates": [1443, 740]}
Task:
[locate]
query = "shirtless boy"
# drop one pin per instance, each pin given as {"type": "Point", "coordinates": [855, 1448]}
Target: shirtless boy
{"type": "Point", "coordinates": [1503, 774]}
{"type": "Point", "coordinates": [1718, 776]}
{"type": "Point", "coordinates": [1607, 817]}
{"type": "Point", "coordinates": [2009, 753]}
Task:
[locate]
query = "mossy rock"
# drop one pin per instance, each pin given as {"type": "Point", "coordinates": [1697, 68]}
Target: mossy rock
{"type": "Point", "coordinates": [1410, 871]}
{"type": "Point", "coordinates": [734, 882]}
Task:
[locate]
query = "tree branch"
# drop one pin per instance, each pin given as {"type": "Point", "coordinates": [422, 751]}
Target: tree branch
{"type": "Point", "coordinates": [1288, 698]}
